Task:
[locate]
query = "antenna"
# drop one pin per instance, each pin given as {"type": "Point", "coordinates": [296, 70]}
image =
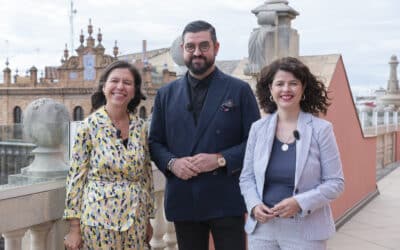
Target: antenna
{"type": "Point", "coordinates": [72, 13]}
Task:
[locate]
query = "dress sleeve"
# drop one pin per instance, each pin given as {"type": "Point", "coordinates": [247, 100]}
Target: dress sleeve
{"type": "Point", "coordinates": [148, 175]}
{"type": "Point", "coordinates": [77, 175]}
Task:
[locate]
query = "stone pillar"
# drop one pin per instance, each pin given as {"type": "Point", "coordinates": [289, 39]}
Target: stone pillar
{"type": "Point", "coordinates": [170, 237]}
{"type": "Point", "coordinates": [7, 76]}
{"type": "Point", "coordinates": [375, 118]}
{"type": "Point", "coordinates": [39, 236]}
{"type": "Point", "coordinates": [393, 83]}
{"type": "Point", "coordinates": [147, 74]}
{"type": "Point", "coordinates": [33, 75]}
{"type": "Point", "coordinates": [386, 118]}
{"type": "Point", "coordinates": [158, 223]}
{"type": "Point", "coordinates": [363, 115]}
{"type": "Point", "coordinates": [165, 76]}
{"type": "Point", "coordinates": [274, 38]}
{"type": "Point", "coordinates": [13, 239]}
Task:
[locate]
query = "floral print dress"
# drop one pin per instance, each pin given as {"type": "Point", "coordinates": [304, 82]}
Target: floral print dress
{"type": "Point", "coordinates": [110, 186]}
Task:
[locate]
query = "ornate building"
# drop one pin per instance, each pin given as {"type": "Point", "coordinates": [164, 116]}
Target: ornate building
{"type": "Point", "coordinates": [72, 82]}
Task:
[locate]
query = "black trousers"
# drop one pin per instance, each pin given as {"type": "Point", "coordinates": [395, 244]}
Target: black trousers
{"type": "Point", "coordinates": [227, 232]}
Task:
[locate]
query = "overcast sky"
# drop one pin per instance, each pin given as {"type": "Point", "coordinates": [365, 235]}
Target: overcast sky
{"type": "Point", "coordinates": [365, 32]}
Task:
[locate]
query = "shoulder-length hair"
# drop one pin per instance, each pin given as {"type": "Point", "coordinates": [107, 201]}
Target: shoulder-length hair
{"type": "Point", "coordinates": [315, 99]}
{"type": "Point", "coordinates": [98, 98]}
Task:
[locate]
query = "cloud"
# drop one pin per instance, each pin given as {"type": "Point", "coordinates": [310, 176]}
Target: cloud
{"type": "Point", "coordinates": [365, 32]}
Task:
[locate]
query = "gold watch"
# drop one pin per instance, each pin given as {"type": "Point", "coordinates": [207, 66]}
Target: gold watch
{"type": "Point", "coordinates": [221, 160]}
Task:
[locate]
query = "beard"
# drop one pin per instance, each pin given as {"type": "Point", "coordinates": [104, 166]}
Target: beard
{"type": "Point", "coordinates": [199, 68]}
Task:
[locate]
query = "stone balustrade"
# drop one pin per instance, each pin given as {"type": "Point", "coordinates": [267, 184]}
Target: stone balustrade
{"type": "Point", "coordinates": [14, 156]}
{"type": "Point", "coordinates": [376, 122]}
{"type": "Point", "coordinates": [31, 216]}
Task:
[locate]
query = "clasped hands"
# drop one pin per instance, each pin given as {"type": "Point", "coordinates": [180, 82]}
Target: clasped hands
{"type": "Point", "coordinates": [191, 166]}
{"type": "Point", "coordinates": [287, 208]}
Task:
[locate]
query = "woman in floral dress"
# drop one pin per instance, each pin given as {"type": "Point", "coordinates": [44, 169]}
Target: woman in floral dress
{"type": "Point", "coordinates": [109, 198]}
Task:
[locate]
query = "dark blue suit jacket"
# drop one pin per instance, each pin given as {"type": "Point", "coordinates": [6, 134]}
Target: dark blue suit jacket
{"type": "Point", "coordinates": [223, 126]}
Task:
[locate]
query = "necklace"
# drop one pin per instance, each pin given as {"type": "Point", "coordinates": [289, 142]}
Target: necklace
{"type": "Point", "coordinates": [285, 144]}
{"type": "Point", "coordinates": [285, 147]}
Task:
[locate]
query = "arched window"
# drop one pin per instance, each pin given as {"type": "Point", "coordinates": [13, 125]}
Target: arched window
{"type": "Point", "coordinates": [17, 115]}
{"type": "Point", "coordinates": [142, 113]}
{"type": "Point", "coordinates": [78, 113]}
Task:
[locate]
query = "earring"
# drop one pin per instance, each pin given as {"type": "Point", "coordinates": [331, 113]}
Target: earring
{"type": "Point", "coordinates": [271, 99]}
{"type": "Point", "coordinates": [303, 97]}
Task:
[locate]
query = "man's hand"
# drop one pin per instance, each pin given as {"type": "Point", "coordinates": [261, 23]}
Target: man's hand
{"type": "Point", "coordinates": [184, 169]}
{"type": "Point", "coordinates": [205, 162]}
{"type": "Point", "coordinates": [262, 213]}
{"type": "Point", "coordinates": [286, 208]}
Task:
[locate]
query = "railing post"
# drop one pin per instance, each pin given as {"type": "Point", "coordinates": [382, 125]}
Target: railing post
{"type": "Point", "coordinates": [39, 236]}
{"type": "Point", "coordinates": [158, 223]}
{"type": "Point", "coordinates": [13, 239]}
{"type": "Point", "coordinates": [170, 237]}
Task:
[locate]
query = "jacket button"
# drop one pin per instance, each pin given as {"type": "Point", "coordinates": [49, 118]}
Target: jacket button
{"type": "Point", "coordinates": [217, 131]}
{"type": "Point", "coordinates": [296, 191]}
{"type": "Point", "coordinates": [309, 211]}
{"type": "Point", "coordinates": [215, 172]}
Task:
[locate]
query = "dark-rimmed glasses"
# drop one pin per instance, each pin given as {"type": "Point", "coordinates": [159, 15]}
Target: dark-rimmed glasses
{"type": "Point", "coordinates": [191, 47]}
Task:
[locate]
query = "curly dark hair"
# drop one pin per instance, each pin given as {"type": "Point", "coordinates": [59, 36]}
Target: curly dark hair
{"type": "Point", "coordinates": [315, 98]}
{"type": "Point", "coordinates": [98, 98]}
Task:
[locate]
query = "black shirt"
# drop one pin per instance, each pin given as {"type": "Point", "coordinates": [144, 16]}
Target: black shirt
{"type": "Point", "coordinates": [198, 92]}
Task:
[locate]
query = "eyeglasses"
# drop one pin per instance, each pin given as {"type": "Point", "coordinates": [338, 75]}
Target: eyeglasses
{"type": "Point", "coordinates": [203, 47]}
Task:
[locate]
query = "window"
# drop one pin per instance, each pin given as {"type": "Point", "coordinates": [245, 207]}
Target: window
{"type": "Point", "coordinates": [78, 113]}
{"type": "Point", "coordinates": [17, 115]}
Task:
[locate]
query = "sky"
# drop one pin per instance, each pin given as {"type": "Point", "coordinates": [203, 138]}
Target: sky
{"type": "Point", "coordinates": [365, 32]}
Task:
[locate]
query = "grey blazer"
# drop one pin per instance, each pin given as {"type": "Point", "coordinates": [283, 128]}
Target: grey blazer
{"type": "Point", "coordinates": [318, 178]}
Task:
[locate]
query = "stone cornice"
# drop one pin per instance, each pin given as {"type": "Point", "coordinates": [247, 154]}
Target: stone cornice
{"type": "Point", "coordinates": [45, 91]}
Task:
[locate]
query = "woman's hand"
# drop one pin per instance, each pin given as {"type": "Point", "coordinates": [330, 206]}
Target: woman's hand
{"type": "Point", "coordinates": [262, 213]}
{"type": "Point", "coordinates": [287, 208]}
{"type": "Point", "coordinates": [149, 232]}
{"type": "Point", "coordinates": [73, 240]}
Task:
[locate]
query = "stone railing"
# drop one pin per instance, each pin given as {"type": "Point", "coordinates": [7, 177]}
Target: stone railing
{"type": "Point", "coordinates": [379, 122]}
{"type": "Point", "coordinates": [14, 156]}
{"type": "Point", "coordinates": [31, 216]}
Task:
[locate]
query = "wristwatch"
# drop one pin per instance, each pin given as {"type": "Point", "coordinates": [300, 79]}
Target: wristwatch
{"type": "Point", "coordinates": [221, 160]}
{"type": "Point", "coordinates": [171, 164]}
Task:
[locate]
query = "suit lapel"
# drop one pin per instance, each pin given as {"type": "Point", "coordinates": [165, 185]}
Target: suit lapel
{"type": "Point", "coordinates": [263, 153]}
{"type": "Point", "coordinates": [216, 92]}
{"type": "Point", "coordinates": [303, 145]}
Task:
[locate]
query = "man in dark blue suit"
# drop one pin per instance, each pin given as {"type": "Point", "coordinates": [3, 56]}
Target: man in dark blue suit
{"type": "Point", "coordinates": [198, 136]}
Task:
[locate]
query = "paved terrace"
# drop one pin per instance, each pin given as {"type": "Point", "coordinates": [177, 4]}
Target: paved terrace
{"type": "Point", "coordinates": [377, 225]}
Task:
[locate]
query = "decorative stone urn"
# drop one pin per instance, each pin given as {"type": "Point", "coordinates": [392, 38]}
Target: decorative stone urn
{"type": "Point", "coordinates": [46, 122]}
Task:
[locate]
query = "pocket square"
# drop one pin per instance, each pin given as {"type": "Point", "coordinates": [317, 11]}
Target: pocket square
{"type": "Point", "coordinates": [227, 105]}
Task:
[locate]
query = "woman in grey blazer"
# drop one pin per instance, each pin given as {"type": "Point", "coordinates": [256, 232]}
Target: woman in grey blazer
{"type": "Point", "coordinates": [292, 168]}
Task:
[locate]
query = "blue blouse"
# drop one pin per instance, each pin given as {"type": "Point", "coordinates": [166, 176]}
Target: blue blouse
{"type": "Point", "coordinates": [280, 174]}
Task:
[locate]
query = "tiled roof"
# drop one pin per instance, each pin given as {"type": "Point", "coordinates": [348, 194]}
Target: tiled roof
{"type": "Point", "coordinates": [138, 55]}
{"type": "Point", "coordinates": [227, 66]}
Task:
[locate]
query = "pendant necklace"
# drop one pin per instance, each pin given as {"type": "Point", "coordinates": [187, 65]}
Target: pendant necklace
{"type": "Point", "coordinates": [285, 145]}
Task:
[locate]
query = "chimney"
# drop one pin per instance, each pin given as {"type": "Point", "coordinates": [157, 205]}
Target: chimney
{"type": "Point", "coordinates": [33, 75]}
{"type": "Point", "coordinates": [144, 51]}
